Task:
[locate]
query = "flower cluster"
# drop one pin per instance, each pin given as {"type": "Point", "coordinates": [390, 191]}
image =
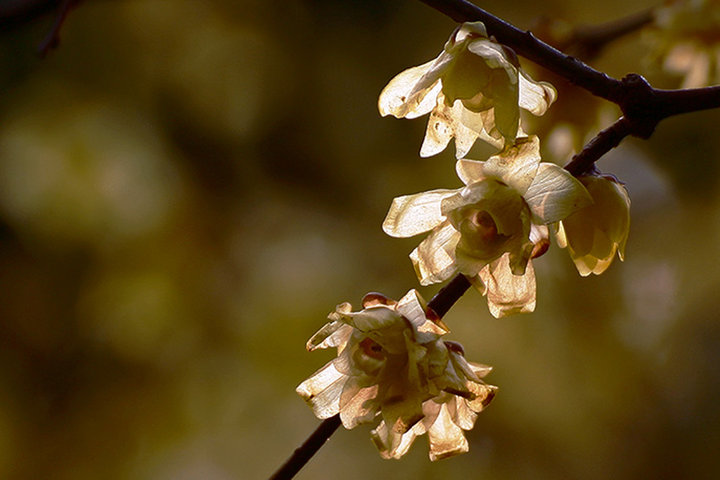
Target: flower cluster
{"type": "Point", "coordinates": [473, 89]}
{"type": "Point", "coordinates": [392, 363]}
{"type": "Point", "coordinates": [490, 229]}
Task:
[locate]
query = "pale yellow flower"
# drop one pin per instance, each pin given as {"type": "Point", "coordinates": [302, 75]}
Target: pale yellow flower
{"type": "Point", "coordinates": [445, 417]}
{"type": "Point", "coordinates": [491, 228]}
{"type": "Point", "coordinates": [595, 233]}
{"type": "Point", "coordinates": [392, 361]}
{"type": "Point", "coordinates": [473, 89]}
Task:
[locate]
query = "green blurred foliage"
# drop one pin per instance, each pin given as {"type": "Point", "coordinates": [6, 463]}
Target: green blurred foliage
{"type": "Point", "coordinates": [188, 188]}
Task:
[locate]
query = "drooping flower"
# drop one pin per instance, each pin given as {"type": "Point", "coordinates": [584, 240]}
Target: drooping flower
{"type": "Point", "coordinates": [392, 363]}
{"type": "Point", "coordinates": [491, 228]}
{"type": "Point", "coordinates": [595, 233]}
{"type": "Point", "coordinates": [473, 89]}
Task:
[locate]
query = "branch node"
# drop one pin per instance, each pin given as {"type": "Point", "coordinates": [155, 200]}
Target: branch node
{"type": "Point", "coordinates": [639, 105]}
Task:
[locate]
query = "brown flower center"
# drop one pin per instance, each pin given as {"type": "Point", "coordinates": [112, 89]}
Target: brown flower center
{"type": "Point", "coordinates": [371, 348]}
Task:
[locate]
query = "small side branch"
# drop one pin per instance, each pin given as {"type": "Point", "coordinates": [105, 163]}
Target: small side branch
{"type": "Point", "coordinates": [52, 39]}
{"type": "Point", "coordinates": [603, 142]}
{"type": "Point", "coordinates": [305, 452]}
{"type": "Point", "coordinates": [448, 295]}
{"type": "Point", "coordinates": [586, 41]}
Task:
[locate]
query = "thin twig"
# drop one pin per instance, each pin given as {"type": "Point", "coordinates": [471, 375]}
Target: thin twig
{"type": "Point", "coordinates": [17, 12]}
{"type": "Point", "coordinates": [305, 452]}
{"type": "Point", "coordinates": [52, 39]}
{"type": "Point", "coordinates": [586, 41]}
{"type": "Point", "coordinates": [603, 142]}
{"type": "Point", "coordinates": [448, 295]}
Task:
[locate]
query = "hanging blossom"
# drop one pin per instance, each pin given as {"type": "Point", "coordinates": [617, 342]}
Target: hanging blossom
{"type": "Point", "coordinates": [392, 363]}
{"type": "Point", "coordinates": [473, 89]}
{"type": "Point", "coordinates": [491, 228]}
{"type": "Point", "coordinates": [595, 233]}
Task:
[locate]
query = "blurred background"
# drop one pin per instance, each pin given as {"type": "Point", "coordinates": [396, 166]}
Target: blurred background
{"type": "Point", "coordinates": [188, 188]}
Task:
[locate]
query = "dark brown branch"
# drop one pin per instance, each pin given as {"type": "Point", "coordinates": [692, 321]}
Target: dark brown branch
{"type": "Point", "coordinates": [448, 295]}
{"type": "Point", "coordinates": [17, 12]}
{"type": "Point", "coordinates": [52, 39]}
{"type": "Point", "coordinates": [603, 142]}
{"type": "Point", "coordinates": [14, 13]}
{"type": "Point", "coordinates": [305, 452]}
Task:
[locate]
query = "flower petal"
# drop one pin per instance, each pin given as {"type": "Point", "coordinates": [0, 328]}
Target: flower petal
{"type": "Point", "coordinates": [356, 403]}
{"type": "Point", "coordinates": [555, 194]}
{"type": "Point", "coordinates": [470, 171]}
{"type": "Point", "coordinates": [433, 259]}
{"type": "Point", "coordinates": [332, 334]}
{"type": "Point", "coordinates": [322, 391]}
{"type": "Point", "coordinates": [392, 444]}
{"type": "Point", "coordinates": [535, 97]}
{"type": "Point", "coordinates": [401, 98]}
{"type": "Point", "coordinates": [517, 164]}
{"type": "Point", "coordinates": [508, 293]}
{"type": "Point", "coordinates": [410, 215]}
{"type": "Point", "coordinates": [446, 438]}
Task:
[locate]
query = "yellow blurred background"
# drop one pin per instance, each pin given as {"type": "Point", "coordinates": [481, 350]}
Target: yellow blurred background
{"type": "Point", "coordinates": [188, 188]}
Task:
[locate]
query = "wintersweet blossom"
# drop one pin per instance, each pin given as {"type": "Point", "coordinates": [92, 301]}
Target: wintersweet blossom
{"type": "Point", "coordinates": [595, 233]}
{"type": "Point", "coordinates": [393, 363]}
{"type": "Point", "coordinates": [489, 229]}
{"type": "Point", "coordinates": [473, 89]}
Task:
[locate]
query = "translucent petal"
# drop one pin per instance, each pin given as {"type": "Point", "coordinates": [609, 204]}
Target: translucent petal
{"type": "Point", "coordinates": [357, 405]}
{"type": "Point", "coordinates": [481, 125]}
{"type": "Point", "coordinates": [508, 293]}
{"type": "Point", "coordinates": [400, 98]}
{"type": "Point", "coordinates": [484, 394]}
{"type": "Point", "coordinates": [441, 128]}
{"type": "Point", "coordinates": [332, 334]}
{"type": "Point", "coordinates": [464, 416]}
{"type": "Point", "coordinates": [424, 330]}
{"type": "Point", "coordinates": [505, 99]}
{"type": "Point", "coordinates": [434, 258]}
{"type": "Point", "coordinates": [535, 97]}
{"type": "Point", "coordinates": [469, 265]}
{"type": "Point", "coordinates": [517, 164]}
{"type": "Point", "coordinates": [480, 369]}
{"type": "Point", "coordinates": [445, 437]}
{"type": "Point", "coordinates": [466, 77]}
{"type": "Point", "coordinates": [470, 28]}
{"type": "Point", "coordinates": [391, 444]}
{"type": "Point", "coordinates": [493, 54]}
{"type": "Point", "coordinates": [470, 171]}
{"type": "Point", "coordinates": [462, 365]}
{"type": "Point", "coordinates": [375, 318]}
{"type": "Point", "coordinates": [322, 391]}
{"type": "Point", "coordinates": [410, 215]}
{"type": "Point", "coordinates": [555, 194]}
